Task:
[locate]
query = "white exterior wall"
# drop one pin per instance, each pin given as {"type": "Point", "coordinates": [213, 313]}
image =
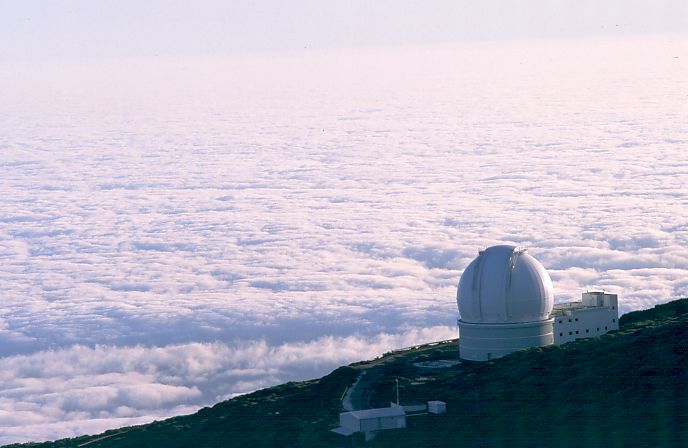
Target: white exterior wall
{"type": "Point", "coordinates": [577, 323]}
{"type": "Point", "coordinates": [380, 423]}
{"type": "Point", "coordinates": [482, 342]}
{"type": "Point", "coordinates": [373, 419]}
{"type": "Point", "coordinates": [369, 424]}
{"type": "Point", "coordinates": [349, 421]}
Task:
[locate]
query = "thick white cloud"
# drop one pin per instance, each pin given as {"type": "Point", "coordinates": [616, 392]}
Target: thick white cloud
{"type": "Point", "coordinates": [178, 207]}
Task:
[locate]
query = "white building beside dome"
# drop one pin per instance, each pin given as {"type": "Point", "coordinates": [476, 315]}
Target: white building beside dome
{"type": "Point", "coordinates": [596, 314]}
{"type": "Point", "coordinates": [506, 303]}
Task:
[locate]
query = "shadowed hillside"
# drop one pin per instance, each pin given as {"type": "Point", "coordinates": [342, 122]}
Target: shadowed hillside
{"type": "Point", "coordinates": [626, 388]}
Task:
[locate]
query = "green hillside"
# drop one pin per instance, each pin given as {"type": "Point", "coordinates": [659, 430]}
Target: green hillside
{"type": "Point", "coordinates": [626, 388]}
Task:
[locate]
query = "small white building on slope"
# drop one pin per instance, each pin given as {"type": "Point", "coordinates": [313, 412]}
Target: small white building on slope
{"type": "Point", "coordinates": [369, 421]}
{"type": "Point", "coordinates": [506, 303]}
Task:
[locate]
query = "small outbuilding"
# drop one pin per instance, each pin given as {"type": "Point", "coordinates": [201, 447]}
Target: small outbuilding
{"type": "Point", "coordinates": [437, 407]}
{"type": "Point", "coordinates": [370, 420]}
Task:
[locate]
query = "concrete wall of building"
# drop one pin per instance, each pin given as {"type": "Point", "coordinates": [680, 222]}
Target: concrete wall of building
{"type": "Point", "coordinates": [369, 424]}
{"type": "Point", "coordinates": [482, 342]}
{"type": "Point", "coordinates": [370, 420]}
{"type": "Point", "coordinates": [596, 314]}
{"type": "Point", "coordinates": [349, 421]}
{"type": "Point", "coordinates": [380, 423]}
{"type": "Point", "coordinates": [393, 422]}
{"type": "Point", "coordinates": [584, 323]}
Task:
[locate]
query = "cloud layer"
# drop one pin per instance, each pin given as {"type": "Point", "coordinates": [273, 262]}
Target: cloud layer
{"type": "Point", "coordinates": [188, 211]}
{"type": "Point", "coordinates": [77, 390]}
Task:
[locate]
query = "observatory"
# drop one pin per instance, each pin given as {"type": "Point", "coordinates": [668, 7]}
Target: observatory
{"type": "Point", "coordinates": [506, 303]}
{"type": "Point", "coordinates": [505, 300]}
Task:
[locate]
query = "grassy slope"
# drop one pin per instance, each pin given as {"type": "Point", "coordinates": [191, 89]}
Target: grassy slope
{"type": "Point", "coordinates": [627, 388]}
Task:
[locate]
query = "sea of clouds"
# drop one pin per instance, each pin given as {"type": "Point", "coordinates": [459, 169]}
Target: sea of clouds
{"type": "Point", "coordinates": [175, 232]}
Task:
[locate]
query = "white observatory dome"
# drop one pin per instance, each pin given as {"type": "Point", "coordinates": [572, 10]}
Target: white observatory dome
{"type": "Point", "coordinates": [505, 285]}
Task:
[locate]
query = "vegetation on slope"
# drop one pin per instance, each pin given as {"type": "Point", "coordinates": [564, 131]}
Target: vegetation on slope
{"type": "Point", "coordinates": [626, 388]}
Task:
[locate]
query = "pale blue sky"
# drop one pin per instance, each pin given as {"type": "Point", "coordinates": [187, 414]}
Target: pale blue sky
{"type": "Point", "coordinates": [78, 29]}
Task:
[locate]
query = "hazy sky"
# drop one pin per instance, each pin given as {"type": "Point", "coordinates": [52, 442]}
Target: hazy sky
{"type": "Point", "coordinates": [75, 29]}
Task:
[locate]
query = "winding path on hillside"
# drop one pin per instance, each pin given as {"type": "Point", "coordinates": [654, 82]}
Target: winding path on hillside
{"type": "Point", "coordinates": [358, 396]}
{"type": "Point", "coordinates": [360, 392]}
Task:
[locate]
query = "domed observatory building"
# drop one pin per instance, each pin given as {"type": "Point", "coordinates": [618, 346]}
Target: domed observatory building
{"type": "Point", "coordinates": [505, 300]}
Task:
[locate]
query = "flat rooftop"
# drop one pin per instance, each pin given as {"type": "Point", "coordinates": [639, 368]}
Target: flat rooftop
{"type": "Point", "coordinates": [561, 308]}
{"type": "Point", "coordinates": [378, 412]}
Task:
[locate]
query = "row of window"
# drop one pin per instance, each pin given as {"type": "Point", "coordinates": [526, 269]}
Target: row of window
{"type": "Point", "coordinates": [561, 321]}
{"type": "Point", "coordinates": [586, 330]}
